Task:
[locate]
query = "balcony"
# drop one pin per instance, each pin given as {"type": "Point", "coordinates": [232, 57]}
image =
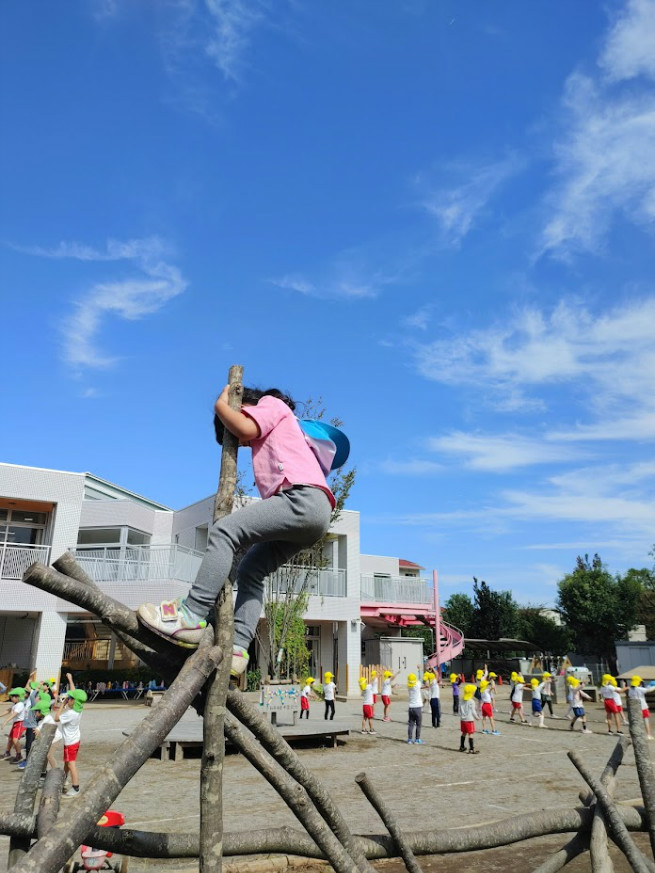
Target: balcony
{"type": "Point", "coordinates": [162, 563]}
{"type": "Point", "coordinates": [139, 563]}
{"type": "Point", "coordinates": [396, 589]}
{"type": "Point", "coordinates": [15, 559]}
{"type": "Point", "coordinates": [319, 582]}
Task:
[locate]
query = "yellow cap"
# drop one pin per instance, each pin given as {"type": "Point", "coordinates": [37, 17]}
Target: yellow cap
{"type": "Point", "coordinates": [514, 676]}
{"type": "Point", "coordinates": [328, 676]}
{"type": "Point", "coordinates": [546, 675]}
{"type": "Point", "coordinates": [484, 684]}
{"type": "Point", "coordinates": [373, 674]}
{"type": "Point", "coordinates": [412, 680]}
{"type": "Point", "coordinates": [453, 677]}
{"type": "Point", "coordinates": [427, 676]}
{"type": "Point", "coordinates": [479, 674]}
{"type": "Point", "coordinates": [573, 682]}
{"type": "Point", "coordinates": [534, 682]}
{"type": "Point", "coordinates": [469, 691]}
{"type": "Point", "coordinates": [613, 682]}
{"type": "Point", "coordinates": [363, 683]}
{"type": "Point", "coordinates": [493, 676]}
{"type": "Point", "coordinates": [387, 674]}
{"type": "Point", "coordinates": [636, 681]}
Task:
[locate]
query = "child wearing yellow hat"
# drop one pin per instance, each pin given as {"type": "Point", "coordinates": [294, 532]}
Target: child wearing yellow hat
{"type": "Point", "coordinates": [609, 704]}
{"type": "Point", "coordinates": [367, 706]}
{"type": "Point", "coordinates": [375, 686]}
{"type": "Point", "coordinates": [547, 692]}
{"type": "Point", "coordinates": [637, 692]}
{"type": "Point", "coordinates": [536, 688]}
{"type": "Point", "coordinates": [455, 682]}
{"type": "Point", "coordinates": [305, 694]}
{"type": "Point", "coordinates": [516, 696]}
{"type": "Point", "coordinates": [577, 698]}
{"type": "Point", "coordinates": [329, 693]}
{"type": "Point", "coordinates": [487, 710]}
{"type": "Point", "coordinates": [415, 711]}
{"type": "Point", "coordinates": [467, 716]}
{"type": "Point", "coordinates": [432, 680]}
{"type": "Point", "coordinates": [387, 685]}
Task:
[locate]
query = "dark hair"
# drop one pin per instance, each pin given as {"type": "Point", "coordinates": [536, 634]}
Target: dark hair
{"type": "Point", "coordinates": [251, 397]}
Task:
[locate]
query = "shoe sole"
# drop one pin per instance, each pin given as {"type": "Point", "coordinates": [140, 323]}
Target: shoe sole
{"type": "Point", "coordinates": [179, 643]}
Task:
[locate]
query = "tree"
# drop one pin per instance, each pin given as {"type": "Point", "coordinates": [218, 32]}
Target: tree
{"type": "Point", "coordinates": [646, 607]}
{"type": "Point", "coordinates": [599, 608]}
{"type": "Point", "coordinates": [495, 613]}
{"type": "Point", "coordinates": [458, 611]}
{"type": "Point", "coordinates": [535, 627]}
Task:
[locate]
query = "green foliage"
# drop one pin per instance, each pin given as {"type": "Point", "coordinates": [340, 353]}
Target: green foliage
{"type": "Point", "coordinates": [286, 620]}
{"type": "Point", "coordinates": [495, 613]}
{"type": "Point", "coordinates": [646, 606]}
{"type": "Point", "coordinates": [599, 608]}
{"type": "Point", "coordinates": [421, 633]}
{"type": "Point", "coordinates": [535, 627]}
{"type": "Point", "coordinates": [253, 679]}
{"type": "Point", "coordinates": [458, 611]}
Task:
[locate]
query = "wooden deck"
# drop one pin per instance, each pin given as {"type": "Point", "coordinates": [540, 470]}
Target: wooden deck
{"type": "Point", "coordinates": [185, 740]}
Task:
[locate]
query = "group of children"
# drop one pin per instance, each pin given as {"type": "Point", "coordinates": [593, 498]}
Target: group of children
{"type": "Point", "coordinates": [38, 704]}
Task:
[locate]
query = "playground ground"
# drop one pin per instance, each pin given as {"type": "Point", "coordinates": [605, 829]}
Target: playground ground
{"type": "Point", "coordinates": [427, 787]}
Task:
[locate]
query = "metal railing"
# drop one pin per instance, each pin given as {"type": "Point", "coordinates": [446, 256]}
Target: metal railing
{"type": "Point", "coordinates": [94, 650]}
{"type": "Point", "coordinates": [15, 559]}
{"type": "Point", "coordinates": [139, 563]}
{"type": "Point", "coordinates": [395, 589]}
{"type": "Point", "coordinates": [320, 582]}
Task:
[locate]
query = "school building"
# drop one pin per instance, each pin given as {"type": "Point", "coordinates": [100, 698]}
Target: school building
{"type": "Point", "coordinates": [138, 550]}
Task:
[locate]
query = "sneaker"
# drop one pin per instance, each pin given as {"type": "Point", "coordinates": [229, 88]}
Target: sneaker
{"type": "Point", "coordinates": [71, 792]}
{"type": "Point", "coordinates": [373, 732]}
{"type": "Point", "coordinates": [16, 759]}
{"type": "Point", "coordinates": [462, 749]}
{"type": "Point", "coordinates": [611, 733]}
{"type": "Point", "coordinates": [495, 733]}
{"type": "Point", "coordinates": [484, 731]}
{"type": "Point", "coordinates": [240, 658]}
{"type": "Point", "coordinates": [474, 751]}
{"type": "Point", "coordinates": [386, 719]}
{"type": "Point", "coordinates": [650, 737]}
{"type": "Point", "coordinates": [620, 733]}
{"type": "Point", "coordinates": [585, 730]}
{"type": "Point", "coordinates": [173, 621]}
{"type": "Point", "coordinates": [5, 756]}
{"type": "Point", "coordinates": [364, 732]}
{"type": "Point", "coordinates": [420, 742]}
{"type": "Point", "coordinates": [22, 765]}
{"type": "Point", "coordinates": [410, 742]}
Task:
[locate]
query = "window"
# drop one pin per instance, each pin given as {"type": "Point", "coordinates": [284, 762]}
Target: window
{"type": "Point", "coordinates": [99, 536]}
{"type": "Point", "coordinates": [21, 515]}
{"type": "Point", "coordinates": [137, 538]}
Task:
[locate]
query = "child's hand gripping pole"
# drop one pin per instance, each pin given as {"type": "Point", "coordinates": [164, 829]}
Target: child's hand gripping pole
{"type": "Point", "coordinates": [228, 476]}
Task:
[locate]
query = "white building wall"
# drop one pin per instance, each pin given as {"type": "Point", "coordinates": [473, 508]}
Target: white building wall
{"type": "Point", "coordinates": [50, 644]}
{"type": "Point", "coordinates": [379, 564]}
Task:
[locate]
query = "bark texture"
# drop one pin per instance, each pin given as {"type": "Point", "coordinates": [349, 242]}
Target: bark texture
{"type": "Point", "coordinates": [598, 848]}
{"type": "Point", "coordinates": [378, 804]}
{"type": "Point", "coordinates": [27, 789]}
{"type": "Point", "coordinates": [644, 764]}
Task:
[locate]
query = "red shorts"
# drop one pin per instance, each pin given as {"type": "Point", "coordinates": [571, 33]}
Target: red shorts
{"type": "Point", "coordinates": [386, 699]}
{"type": "Point", "coordinates": [645, 713]}
{"type": "Point", "coordinates": [467, 727]}
{"type": "Point", "coordinates": [618, 706]}
{"type": "Point", "coordinates": [516, 705]}
{"type": "Point", "coordinates": [375, 699]}
{"type": "Point", "coordinates": [304, 703]}
{"type": "Point", "coordinates": [367, 710]}
{"type": "Point", "coordinates": [487, 710]}
{"type": "Point", "coordinates": [70, 753]}
{"type": "Point", "coordinates": [610, 707]}
{"type": "Point", "coordinates": [17, 730]}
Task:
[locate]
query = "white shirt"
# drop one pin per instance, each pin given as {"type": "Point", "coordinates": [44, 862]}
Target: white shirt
{"type": "Point", "coordinates": [70, 726]}
{"type": "Point", "coordinates": [486, 695]}
{"type": "Point", "coordinates": [48, 719]}
{"type": "Point", "coordinates": [415, 698]}
{"type": "Point", "coordinates": [367, 696]}
{"type": "Point", "coordinates": [638, 693]}
{"type": "Point", "coordinates": [386, 687]}
{"type": "Point", "coordinates": [467, 710]}
{"type": "Point", "coordinates": [374, 685]}
{"type": "Point", "coordinates": [17, 712]}
{"type": "Point", "coordinates": [328, 691]}
{"type": "Point", "coordinates": [517, 693]}
{"type": "Point", "coordinates": [305, 692]}
{"type": "Point", "coordinates": [616, 697]}
{"type": "Point", "coordinates": [607, 691]}
{"type": "Point", "coordinates": [435, 692]}
{"type": "Point", "coordinates": [536, 692]}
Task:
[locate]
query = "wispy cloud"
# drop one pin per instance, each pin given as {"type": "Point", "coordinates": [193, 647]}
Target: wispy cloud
{"type": "Point", "coordinates": [605, 160]}
{"type": "Point", "coordinates": [609, 358]}
{"type": "Point", "coordinates": [500, 453]}
{"type": "Point", "coordinates": [418, 320]}
{"type": "Point", "coordinates": [458, 207]}
{"type": "Point", "coordinates": [130, 298]}
{"type": "Point", "coordinates": [233, 22]}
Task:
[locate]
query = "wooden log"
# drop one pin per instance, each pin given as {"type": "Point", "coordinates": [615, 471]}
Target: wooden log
{"type": "Point", "coordinates": [617, 827]}
{"type": "Point", "coordinates": [286, 840]}
{"type": "Point", "coordinates": [294, 796]}
{"type": "Point", "coordinates": [28, 787]}
{"type": "Point", "coordinates": [213, 748]}
{"type": "Point", "coordinates": [575, 846]}
{"type": "Point", "coordinates": [378, 804]}
{"type": "Point", "coordinates": [600, 857]}
{"type": "Point", "coordinates": [50, 800]}
{"type": "Point", "coordinates": [53, 850]}
{"type": "Point", "coordinates": [277, 746]}
{"type": "Point", "coordinates": [644, 764]}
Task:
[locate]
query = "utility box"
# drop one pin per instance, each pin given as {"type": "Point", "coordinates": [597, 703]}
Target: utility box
{"type": "Point", "coordinates": [402, 655]}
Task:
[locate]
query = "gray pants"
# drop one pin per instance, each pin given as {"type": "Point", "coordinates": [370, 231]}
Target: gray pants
{"type": "Point", "coordinates": [415, 720]}
{"type": "Point", "coordinates": [275, 529]}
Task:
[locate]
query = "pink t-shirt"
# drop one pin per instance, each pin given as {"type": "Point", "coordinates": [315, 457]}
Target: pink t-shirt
{"type": "Point", "coordinates": [281, 457]}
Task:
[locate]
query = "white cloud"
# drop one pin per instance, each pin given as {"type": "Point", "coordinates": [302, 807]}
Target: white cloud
{"type": "Point", "coordinates": [418, 320]}
{"type": "Point", "coordinates": [233, 22]}
{"type": "Point", "coordinates": [458, 208]}
{"type": "Point", "coordinates": [608, 358]}
{"type": "Point", "coordinates": [629, 48]}
{"type": "Point", "coordinates": [605, 160]}
{"type": "Point", "coordinates": [130, 299]}
{"type": "Point", "coordinates": [499, 453]}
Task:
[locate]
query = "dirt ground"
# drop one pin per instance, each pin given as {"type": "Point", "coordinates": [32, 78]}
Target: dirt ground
{"type": "Point", "coordinates": [427, 787]}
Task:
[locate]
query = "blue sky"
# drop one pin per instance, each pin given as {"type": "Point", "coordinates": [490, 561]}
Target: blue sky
{"type": "Point", "coordinates": [436, 216]}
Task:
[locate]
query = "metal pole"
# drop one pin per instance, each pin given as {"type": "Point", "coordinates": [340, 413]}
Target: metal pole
{"type": "Point", "coordinates": [437, 621]}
